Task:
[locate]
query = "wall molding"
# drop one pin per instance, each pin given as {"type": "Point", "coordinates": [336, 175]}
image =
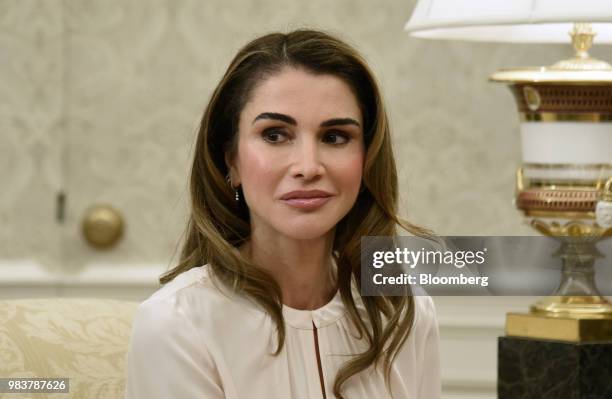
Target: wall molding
{"type": "Point", "coordinates": [32, 273]}
{"type": "Point", "coordinates": [27, 278]}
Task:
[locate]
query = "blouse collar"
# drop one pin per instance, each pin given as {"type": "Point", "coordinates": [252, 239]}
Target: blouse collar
{"type": "Point", "coordinates": [321, 317]}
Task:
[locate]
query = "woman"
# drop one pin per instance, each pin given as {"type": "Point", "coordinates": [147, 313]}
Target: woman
{"type": "Point", "coordinates": [293, 165]}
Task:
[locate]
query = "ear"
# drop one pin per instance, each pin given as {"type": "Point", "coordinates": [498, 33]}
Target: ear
{"type": "Point", "coordinates": [232, 170]}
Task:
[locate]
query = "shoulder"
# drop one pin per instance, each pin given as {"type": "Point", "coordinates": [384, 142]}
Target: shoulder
{"type": "Point", "coordinates": [427, 347]}
{"type": "Point", "coordinates": [424, 310]}
{"type": "Point", "coordinates": [186, 281]}
{"type": "Point", "coordinates": [423, 339]}
{"type": "Point", "coordinates": [425, 330]}
{"type": "Point", "coordinates": [188, 297]}
{"type": "Point", "coordinates": [424, 307]}
{"type": "Point", "coordinates": [169, 353]}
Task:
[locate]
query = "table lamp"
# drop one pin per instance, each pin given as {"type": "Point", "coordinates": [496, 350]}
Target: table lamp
{"type": "Point", "coordinates": [564, 185]}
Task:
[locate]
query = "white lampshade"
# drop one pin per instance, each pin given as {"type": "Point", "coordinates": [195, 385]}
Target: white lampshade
{"type": "Point", "coordinates": [519, 21]}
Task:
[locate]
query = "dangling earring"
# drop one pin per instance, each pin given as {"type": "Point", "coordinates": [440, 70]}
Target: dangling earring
{"type": "Point", "coordinates": [229, 181]}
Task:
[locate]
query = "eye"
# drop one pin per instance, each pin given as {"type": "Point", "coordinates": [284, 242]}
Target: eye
{"type": "Point", "coordinates": [336, 137]}
{"type": "Point", "coordinates": [274, 135]}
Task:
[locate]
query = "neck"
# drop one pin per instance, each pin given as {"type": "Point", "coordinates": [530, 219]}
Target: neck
{"type": "Point", "coordinates": [303, 269]}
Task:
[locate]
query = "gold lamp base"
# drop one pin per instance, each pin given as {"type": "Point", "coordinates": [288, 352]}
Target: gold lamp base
{"type": "Point", "coordinates": [561, 328]}
{"type": "Point", "coordinates": [573, 306]}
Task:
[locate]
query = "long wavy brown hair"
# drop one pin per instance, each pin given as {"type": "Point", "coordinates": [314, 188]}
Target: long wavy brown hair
{"type": "Point", "coordinates": [218, 224]}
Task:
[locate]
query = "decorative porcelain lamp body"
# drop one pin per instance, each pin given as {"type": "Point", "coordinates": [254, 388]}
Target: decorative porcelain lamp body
{"type": "Point", "coordinates": [566, 136]}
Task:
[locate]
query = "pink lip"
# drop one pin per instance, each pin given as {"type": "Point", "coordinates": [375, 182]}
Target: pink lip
{"type": "Point", "coordinates": [307, 203]}
{"type": "Point", "coordinates": [305, 194]}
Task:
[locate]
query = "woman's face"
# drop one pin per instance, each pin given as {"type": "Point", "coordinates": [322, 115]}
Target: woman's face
{"type": "Point", "coordinates": [299, 133]}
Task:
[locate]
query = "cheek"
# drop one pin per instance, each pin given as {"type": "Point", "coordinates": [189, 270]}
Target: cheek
{"type": "Point", "coordinates": [256, 171]}
{"type": "Point", "coordinates": [350, 172]}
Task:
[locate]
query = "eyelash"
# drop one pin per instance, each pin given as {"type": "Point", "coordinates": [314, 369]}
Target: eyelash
{"type": "Point", "coordinates": [339, 133]}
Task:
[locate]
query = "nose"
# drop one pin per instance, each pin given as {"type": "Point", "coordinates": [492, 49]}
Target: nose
{"type": "Point", "coordinates": [306, 162]}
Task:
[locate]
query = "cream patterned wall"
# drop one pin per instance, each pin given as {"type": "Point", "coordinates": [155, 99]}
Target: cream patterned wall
{"type": "Point", "coordinates": [101, 101]}
{"type": "Point", "coordinates": [32, 75]}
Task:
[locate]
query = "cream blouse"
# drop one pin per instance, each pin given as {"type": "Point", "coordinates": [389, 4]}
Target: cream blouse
{"type": "Point", "coordinates": [190, 340]}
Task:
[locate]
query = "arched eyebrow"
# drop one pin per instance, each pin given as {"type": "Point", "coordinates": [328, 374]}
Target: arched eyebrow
{"type": "Point", "coordinates": [291, 121]}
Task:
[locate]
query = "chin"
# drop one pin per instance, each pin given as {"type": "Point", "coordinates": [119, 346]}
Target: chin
{"type": "Point", "coordinates": [305, 231]}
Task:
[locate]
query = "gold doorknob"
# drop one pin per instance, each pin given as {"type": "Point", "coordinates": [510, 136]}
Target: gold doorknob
{"type": "Point", "coordinates": [102, 226]}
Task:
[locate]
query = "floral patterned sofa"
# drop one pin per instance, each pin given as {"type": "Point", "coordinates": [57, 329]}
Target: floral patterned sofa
{"type": "Point", "coordinates": [83, 339]}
